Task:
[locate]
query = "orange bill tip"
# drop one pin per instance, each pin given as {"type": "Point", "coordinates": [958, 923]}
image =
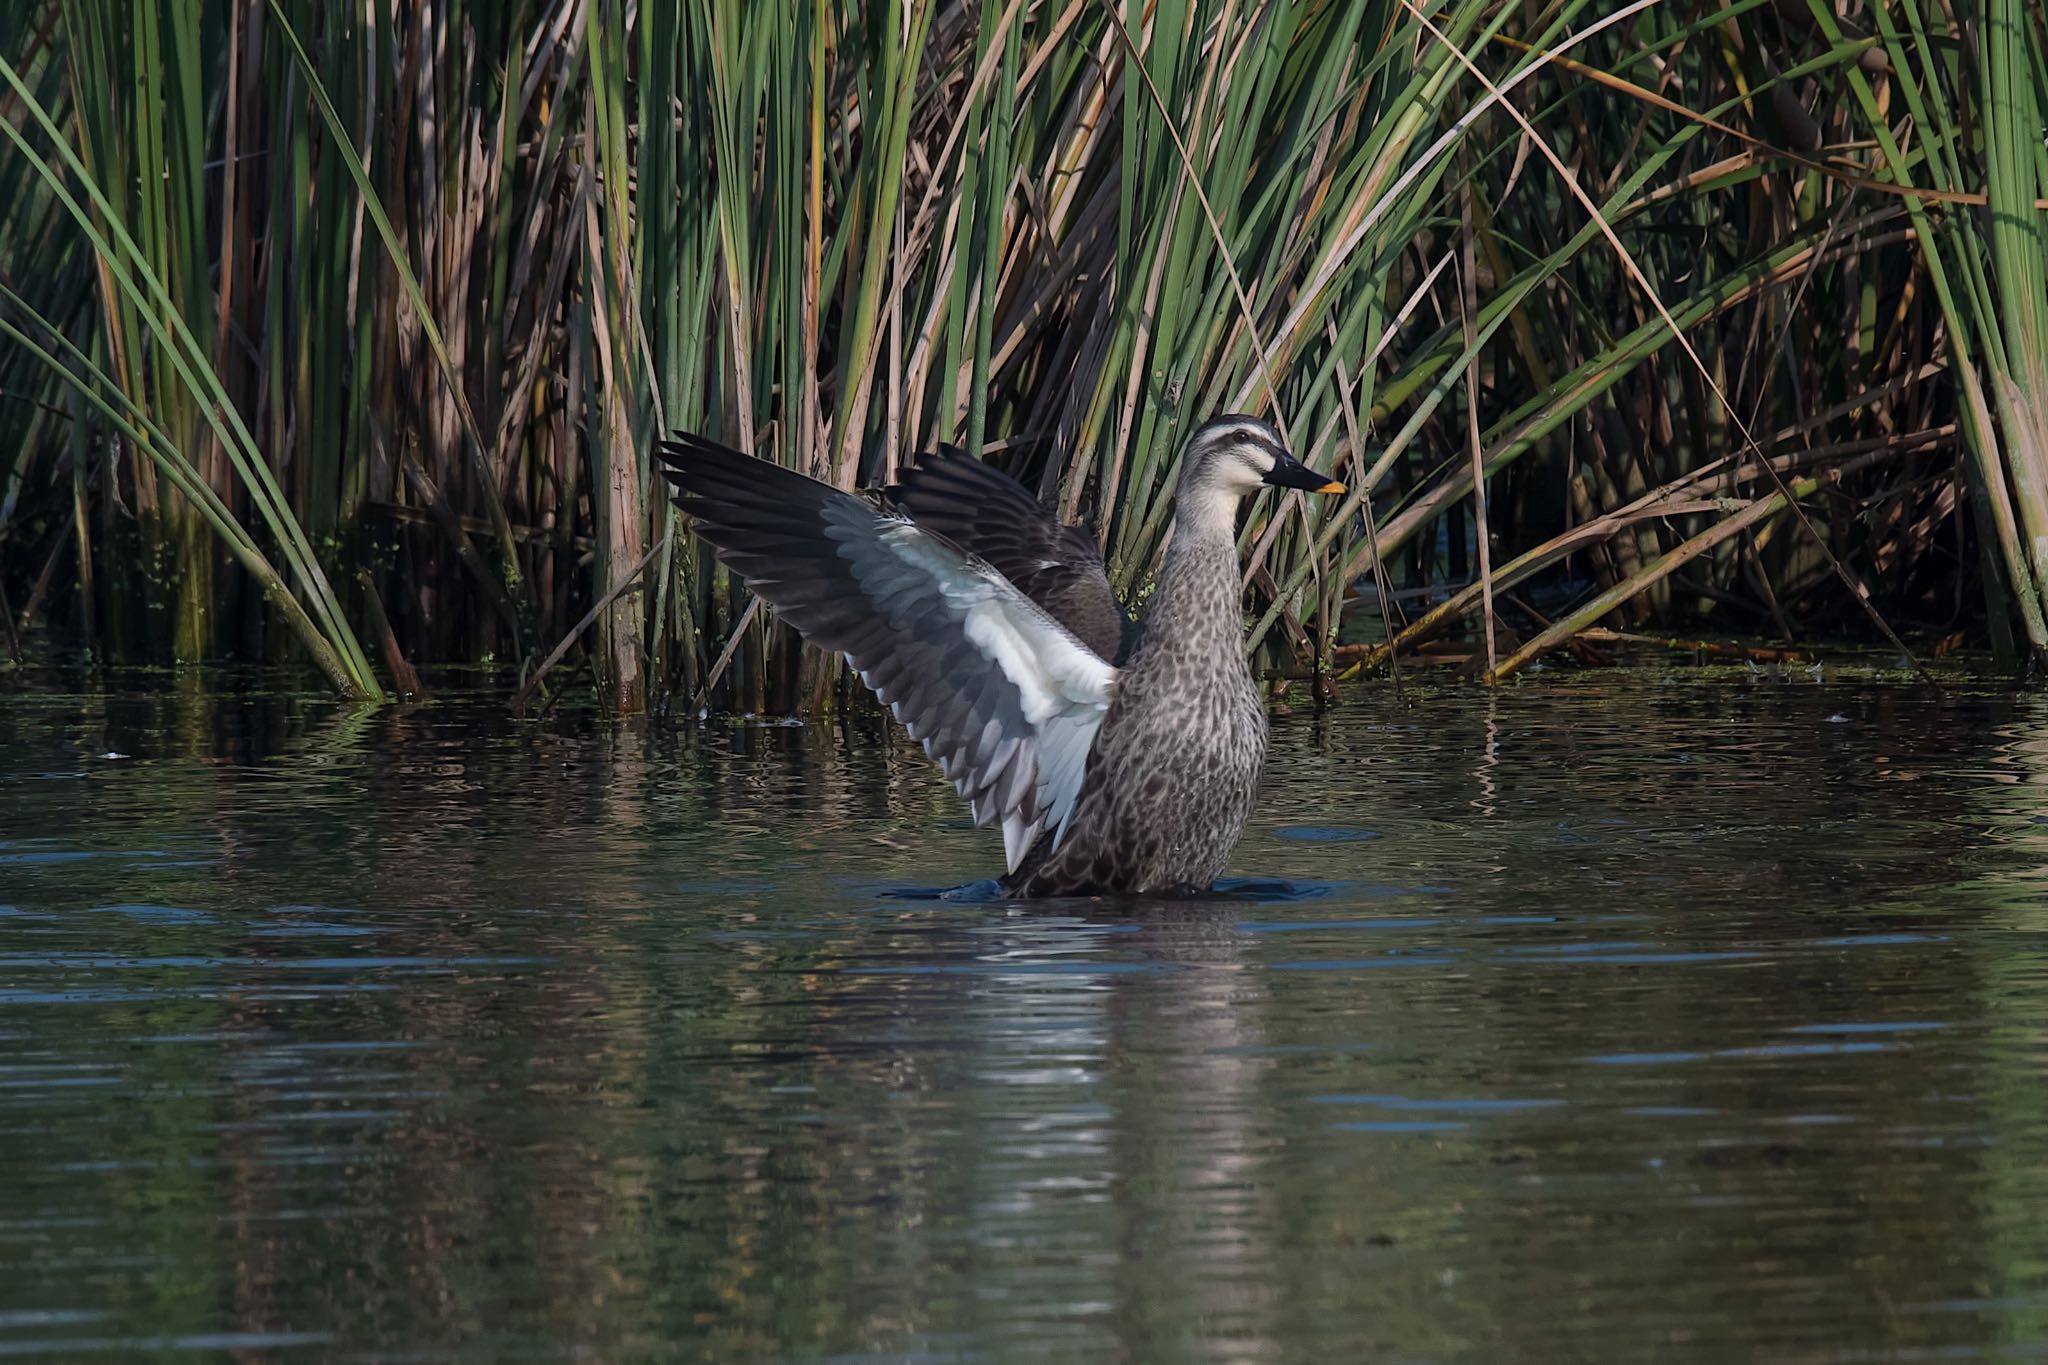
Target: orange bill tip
{"type": "Point", "coordinates": [1331, 487]}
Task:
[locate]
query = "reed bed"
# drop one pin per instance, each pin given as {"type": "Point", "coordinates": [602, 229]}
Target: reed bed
{"type": "Point", "coordinates": [339, 333]}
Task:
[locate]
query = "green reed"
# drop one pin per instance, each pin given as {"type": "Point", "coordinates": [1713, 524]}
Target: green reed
{"type": "Point", "coordinates": [323, 316]}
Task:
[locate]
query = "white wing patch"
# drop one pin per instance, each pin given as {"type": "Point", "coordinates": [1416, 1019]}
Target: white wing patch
{"type": "Point", "coordinates": [1064, 687]}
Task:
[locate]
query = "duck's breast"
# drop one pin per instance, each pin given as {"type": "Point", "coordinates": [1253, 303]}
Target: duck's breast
{"type": "Point", "coordinates": [1172, 781]}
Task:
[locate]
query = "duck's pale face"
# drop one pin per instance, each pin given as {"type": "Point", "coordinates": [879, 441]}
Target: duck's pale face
{"type": "Point", "coordinates": [1233, 456]}
{"type": "Point", "coordinates": [1229, 458]}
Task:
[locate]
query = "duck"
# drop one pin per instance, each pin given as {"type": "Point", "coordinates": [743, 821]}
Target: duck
{"type": "Point", "coordinates": [1119, 757]}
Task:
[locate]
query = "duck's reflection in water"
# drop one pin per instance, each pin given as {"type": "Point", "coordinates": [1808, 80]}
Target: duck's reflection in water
{"type": "Point", "coordinates": [1143, 1018]}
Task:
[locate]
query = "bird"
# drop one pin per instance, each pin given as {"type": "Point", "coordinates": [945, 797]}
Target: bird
{"type": "Point", "coordinates": [1120, 758]}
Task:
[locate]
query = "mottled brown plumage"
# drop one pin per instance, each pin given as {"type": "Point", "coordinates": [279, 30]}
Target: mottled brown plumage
{"type": "Point", "coordinates": [1117, 759]}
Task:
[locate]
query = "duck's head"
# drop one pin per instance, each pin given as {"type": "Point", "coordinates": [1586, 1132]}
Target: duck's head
{"type": "Point", "coordinates": [1233, 456]}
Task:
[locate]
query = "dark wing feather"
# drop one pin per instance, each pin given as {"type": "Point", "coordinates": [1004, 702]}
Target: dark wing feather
{"type": "Point", "coordinates": [1003, 696]}
{"type": "Point", "coordinates": [994, 518]}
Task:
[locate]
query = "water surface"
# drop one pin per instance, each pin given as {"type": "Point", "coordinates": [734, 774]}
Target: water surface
{"type": "Point", "coordinates": [1595, 1020]}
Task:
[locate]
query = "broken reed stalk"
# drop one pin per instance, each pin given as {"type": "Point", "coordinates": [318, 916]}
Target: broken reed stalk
{"type": "Point", "coordinates": [405, 680]}
{"type": "Point", "coordinates": [1719, 649]}
{"type": "Point", "coordinates": [562, 646]}
{"type": "Point", "coordinates": [7, 624]}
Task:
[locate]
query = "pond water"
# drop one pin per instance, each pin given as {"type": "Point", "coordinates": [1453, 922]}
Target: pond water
{"type": "Point", "coordinates": [1598, 1019]}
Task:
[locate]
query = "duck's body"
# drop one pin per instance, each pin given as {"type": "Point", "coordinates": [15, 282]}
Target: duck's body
{"type": "Point", "coordinates": [1177, 761]}
{"type": "Point", "coordinates": [1118, 760]}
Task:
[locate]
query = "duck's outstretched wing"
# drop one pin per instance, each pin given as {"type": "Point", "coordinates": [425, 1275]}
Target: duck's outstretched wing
{"type": "Point", "coordinates": [992, 517]}
{"type": "Point", "coordinates": [997, 690]}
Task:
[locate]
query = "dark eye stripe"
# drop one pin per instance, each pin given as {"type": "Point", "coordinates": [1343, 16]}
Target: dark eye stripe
{"type": "Point", "coordinates": [1245, 432]}
{"type": "Point", "coordinates": [1259, 439]}
{"type": "Point", "coordinates": [1251, 432]}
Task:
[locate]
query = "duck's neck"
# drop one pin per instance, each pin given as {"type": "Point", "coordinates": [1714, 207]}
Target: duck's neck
{"type": "Point", "coordinates": [1197, 602]}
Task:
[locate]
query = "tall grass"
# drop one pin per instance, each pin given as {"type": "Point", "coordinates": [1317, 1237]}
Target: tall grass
{"type": "Point", "coordinates": [323, 316]}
